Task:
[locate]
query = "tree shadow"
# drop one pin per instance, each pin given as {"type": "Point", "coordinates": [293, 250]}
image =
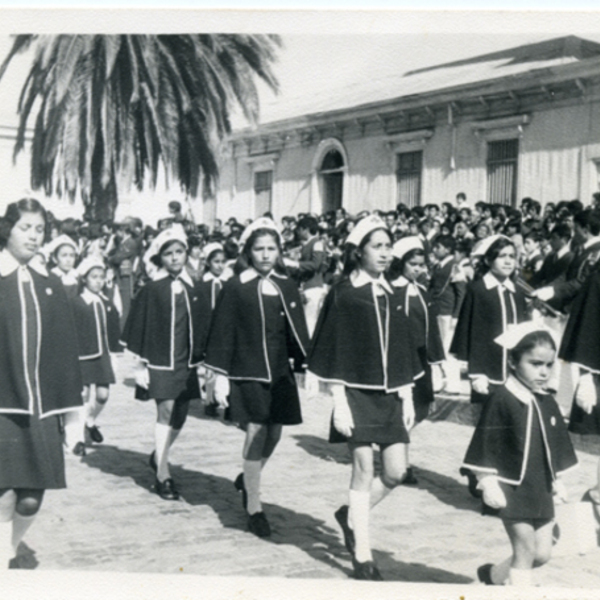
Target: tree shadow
{"type": "Point", "coordinates": [323, 449]}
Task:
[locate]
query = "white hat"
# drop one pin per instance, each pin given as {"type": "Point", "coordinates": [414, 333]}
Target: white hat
{"type": "Point", "coordinates": [61, 240]}
{"type": "Point", "coordinates": [405, 245]}
{"type": "Point", "coordinates": [260, 223]}
{"type": "Point", "coordinates": [89, 263]}
{"type": "Point", "coordinates": [212, 247]}
{"type": "Point", "coordinates": [175, 233]}
{"type": "Point", "coordinates": [510, 338]}
{"type": "Point", "coordinates": [484, 245]}
{"type": "Point", "coordinates": [364, 227]}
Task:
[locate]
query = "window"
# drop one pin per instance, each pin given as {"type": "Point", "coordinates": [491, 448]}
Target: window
{"type": "Point", "coordinates": [263, 192]}
{"type": "Point", "coordinates": [332, 178]}
{"type": "Point", "coordinates": [408, 177]}
{"type": "Point", "coordinates": [502, 161]}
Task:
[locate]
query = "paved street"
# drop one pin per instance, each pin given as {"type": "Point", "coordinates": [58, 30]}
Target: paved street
{"type": "Point", "coordinates": [109, 521]}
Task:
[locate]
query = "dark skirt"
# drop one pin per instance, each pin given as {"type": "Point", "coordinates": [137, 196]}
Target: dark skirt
{"type": "Point", "coordinates": [377, 416]}
{"type": "Point", "coordinates": [583, 423]}
{"type": "Point", "coordinates": [98, 371]}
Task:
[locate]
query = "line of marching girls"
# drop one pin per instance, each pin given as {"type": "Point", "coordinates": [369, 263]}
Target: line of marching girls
{"type": "Point", "coordinates": [382, 309]}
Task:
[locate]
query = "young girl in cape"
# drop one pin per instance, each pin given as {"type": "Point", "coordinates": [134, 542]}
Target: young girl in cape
{"type": "Point", "coordinates": [408, 265]}
{"type": "Point", "coordinates": [362, 346]}
{"type": "Point", "coordinates": [258, 326]}
{"type": "Point", "coordinates": [39, 374]}
{"type": "Point", "coordinates": [166, 329]}
{"type": "Point", "coordinates": [63, 252]}
{"type": "Point", "coordinates": [98, 332]}
{"type": "Point", "coordinates": [519, 449]}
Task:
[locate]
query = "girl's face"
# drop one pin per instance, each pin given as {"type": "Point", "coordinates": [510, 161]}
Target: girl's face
{"type": "Point", "coordinates": [264, 253]}
{"type": "Point", "coordinates": [535, 367]}
{"type": "Point", "coordinates": [65, 258]}
{"type": "Point", "coordinates": [414, 268]}
{"type": "Point", "coordinates": [173, 258]}
{"type": "Point", "coordinates": [482, 232]}
{"type": "Point", "coordinates": [26, 237]}
{"type": "Point", "coordinates": [376, 254]}
{"type": "Point", "coordinates": [217, 264]}
{"type": "Point", "coordinates": [195, 251]}
{"type": "Point", "coordinates": [504, 265]}
{"type": "Point", "coordinates": [95, 280]}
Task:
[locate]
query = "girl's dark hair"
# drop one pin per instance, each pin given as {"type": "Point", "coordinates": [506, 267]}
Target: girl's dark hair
{"type": "Point", "coordinates": [483, 266]}
{"type": "Point", "coordinates": [351, 257]}
{"type": "Point", "coordinates": [244, 260]}
{"type": "Point", "coordinates": [397, 267]}
{"type": "Point", "coordinates": [14, 211]}
{"type": "Point", "coordinates": [529, 342]}
{"type": "Point", "coordinates": [155, 260]}
{"type": "Point", "coordinates": [213, 254]}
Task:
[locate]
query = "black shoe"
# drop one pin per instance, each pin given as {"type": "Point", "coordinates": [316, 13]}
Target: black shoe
{"type": "Point", "coordinates": [258, 525]}
{"type": "Point", "coordinates": [152, 461]}
{"type": "Point", "coordinates": [79, 449]}
{"type": "Point", "coordinates": [341, 516]}
{"type": "Point", "coordinates": [366, 571]}
{"type": "Point", "coordinates": [472, 482]}
{"type": "Point", "coordinates": [240, 487]}
{"type": "Point", "coordinates": [166, 489]}
{"type": "Point", "coordinates": [484, 574]}
{"type": "Point", "coordinates": [410, 478]}
{"type": "Point", "coordinates": [210, 410]}
{"type": "Point", "coordinates": [94, 433]}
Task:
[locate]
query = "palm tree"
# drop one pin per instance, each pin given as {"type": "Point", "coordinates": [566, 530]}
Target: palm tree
{"type": "Point", "coordinates": [111, 110]}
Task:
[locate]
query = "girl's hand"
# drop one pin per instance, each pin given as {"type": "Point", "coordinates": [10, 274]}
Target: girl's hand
{"type": "Point", "coordinates": [493, 495]}
{"type": "Point", "coordinates": [221, 390]}
{"type": "Point", "coordinates": [342, 415]}
{"type": "Point", "coordinates": [141, 375]}
{"type": "Point", "coordinates": [481, 385]}
{"type": "Point", "coordinates": [560, 491]}
{"type": "Point", "coordinates": [586, 396]}
{"type": "Point", "coordinates": [405, 394]}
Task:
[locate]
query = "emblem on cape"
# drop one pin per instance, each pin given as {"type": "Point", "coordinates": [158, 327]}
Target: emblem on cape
{"type": "Point", "coordinates": [49, 291]}
{"type": "Point", "coordinates": [553, 421]}
{"type": "Point", "coordinates": [292, 305]}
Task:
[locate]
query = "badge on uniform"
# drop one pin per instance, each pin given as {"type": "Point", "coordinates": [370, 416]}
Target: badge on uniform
{"type": "Point", "coordinates": [292, 304]}
{"type": "Point", "coordinates": [553, 421]}
{"type": "Point", "coordinates": [49, 291]}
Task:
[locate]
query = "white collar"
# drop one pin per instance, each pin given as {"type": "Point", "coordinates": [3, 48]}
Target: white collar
{"type": "Point", "coordinates": [251, 273]}
{"type": "Point", "coordinates": [591, 242]}
{"type": "Point", "coordinates": [9, 264]}
{"type": "Point", "coordinates": [518, 390]}
{"type": "Point", "coordinates": [184, 276]}
{"type": "Point", "coordinates": [445, 261]}
{"type": "Point", "coordinates": [491, 282]}
{"type": "Point", "coordinates": [208, 276]}
{"type": "Point", "coordinates": [90, 297]}
{"type": "Point", "coordinates": [412, 286]}
{"type": "Point", "coordinates": [360, 278]}
{"type": "Point", "coordinates": [562, 251]}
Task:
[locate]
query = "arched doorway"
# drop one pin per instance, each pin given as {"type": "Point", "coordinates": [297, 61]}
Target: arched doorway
{"type": "Point", "coordinates": [331, 175]}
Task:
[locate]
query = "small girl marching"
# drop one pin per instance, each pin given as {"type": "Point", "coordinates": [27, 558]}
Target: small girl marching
{"type": "Point", "coordinates": [63, 251]}
{"type": "Point", "coordinates": [519, 450]}
{"type": "Point", "coordinates": [98, 333]}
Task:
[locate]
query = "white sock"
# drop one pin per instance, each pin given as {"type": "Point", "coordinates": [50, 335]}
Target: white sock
{"type": "Point", "coordinates": [73, 421]}
{"type": "Point", "coordinates": [252, 469]}
{"type": "Point", "coordinates": [94, 408]}
{"type": "Point", "coordinates": [162, 438]}
{"type": "Point", "coordinates": [20, 525]}
{"type": "Point", "coordinates": [6, 549]}
{"type": "Point", "coordinates": [500, 572]}
{"type": "Point", "coordinates": [359, 509]}
{"type": "Point", "coordinates": [520, 577]}
{"type": "Point", "coordinates": [379, 491]}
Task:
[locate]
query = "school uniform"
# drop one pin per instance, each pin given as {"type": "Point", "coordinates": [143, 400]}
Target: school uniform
{"type": "Point", "coordinates": [258, 326]}
{"type": "Point", "coordinates": [211, 286]}
{"type": "Point", "coordinates": [363, 341]}
{"type": "Point", "coordinates": [167, 328]}
{"type": "Point", "coordinates": [98, 333]}
{"type": "Point", "coordinates": [69, 281]}
{"type": "Point", "coordinates": [39, 375]}
{"type": "Point", "coordinates": [427, 340]}
{"type": "Point", "coordinates": [488, 310]}
{"type": "Point", "coordinates": [521, 438]}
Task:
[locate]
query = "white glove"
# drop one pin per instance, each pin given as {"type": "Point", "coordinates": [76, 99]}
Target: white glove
{"type": "Point", "coordinates": [481, 384]}
{"type": "Point", "coordinates": [560, 491]}
{"type": "Point", "coordinates": [586, 396]}
{"type": "Point", "coordinates": [544, 294]}
{"type": "Point", "coordinates": [342, 415]}
{"type": "Point", "coordinates": [437, 378]}
{"type": "Point", "coordinates": [141, 375]}
{"type": "Point", "coordinates": [221, 390]}
{"type": "Point", "coordinates": [493, 495]}
{"type": "Point", "coordinates": [405, 394]}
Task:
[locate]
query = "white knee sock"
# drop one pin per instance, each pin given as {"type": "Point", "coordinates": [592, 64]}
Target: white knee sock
{"type": "Point", "coordinates": [162, 437]}
{"type": "Point", "coordinates": [501, 571]}
{"type": "Point", "coordinates": [379, 491]}
{"type": "Point", "coordinates": [252, 469]}
{"type": "Point", "coordinates": [359, 510]}
{"type": "Point", "coordinates": [94, 408]}
{"type": "Point", "coordinates": [20, 525]}
{"type": "Point", "coordinates": [520, 577]}
{"type": "Point", "coordinates": [73, 421]}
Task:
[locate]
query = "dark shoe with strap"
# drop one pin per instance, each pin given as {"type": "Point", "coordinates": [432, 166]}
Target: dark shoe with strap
{"type": "Point", "coordinates": [341, 516]}
{"type": "Point", "coordinates": [484, 574]}
{"type": "Point", "coordinates": [166, 489]}
{"type": "Point", "coordinates": [240, 487]}
{"type": "Point", "coordinates": [258, 525]}
{"type": "Point", "coordinates": [152, 461]}
{"type": "Point", "coordinates": [211, 410]}
{"type": "Point", "coordinates": [94, 433]}
{"type": "Point", "coordinates": [366, 571]}
{"type": "Point", "coordinates": [472, 482]}
{"type": "Point", "coordinates": [79, 449]}
{"type": "Point", "coordinates": [410, 478]}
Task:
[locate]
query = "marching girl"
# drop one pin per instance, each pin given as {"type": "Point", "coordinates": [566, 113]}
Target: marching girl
{"type": "Point", "coordinates": [39, 374]}
{"type": "Point", "coordinates": [258, 325]}
{"type": "Point", "coordinates": [166, 329]}
{"type": "Point", "coordinates": [362, 346]}
{"type": "Point", "coordinates": [408, 265]}
{"type": "Point", "coordinates": [98, 333]}
{"type": "Point", "coordinates": [63, 252]}
{"type": "Point", "coordinates": [519, 450]}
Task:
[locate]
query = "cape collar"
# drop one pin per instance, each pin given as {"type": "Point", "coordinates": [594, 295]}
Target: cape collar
{"type": "Point", "coordinates": [90, 297]}
{"type": "Point", "coordinates": [518, 390]}
{"type": "Point", "coordinates": [491, 282]}
{"type": "Point", "coordinates": [208, 276]}
{"type": "Point", "coordinates": [251, 273]}
{"type": "Point", "coordinates": [163, 273]}
{"type": "Point", "coordinates": [591, 242]}
{"type": "Point", "coordinates": [9, 264]}
{"type": "Point", "coordinates": [563, 251]}
{"type": "Point", "coordinates": [360, 278]}
{"type": "Point", "coordinates": [413, 287]}
{"type": "Point", "coordinates": [445, 261]}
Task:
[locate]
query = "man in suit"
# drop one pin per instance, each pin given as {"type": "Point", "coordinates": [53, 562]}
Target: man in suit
{"type": "Point", "coordinates": [556, 264]}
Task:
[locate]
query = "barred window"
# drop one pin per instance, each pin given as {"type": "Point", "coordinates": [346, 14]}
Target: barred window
{"type": "Point", "coordinates": [502, 163]}
{"type": "Point", "coordinates": [408, 177]}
